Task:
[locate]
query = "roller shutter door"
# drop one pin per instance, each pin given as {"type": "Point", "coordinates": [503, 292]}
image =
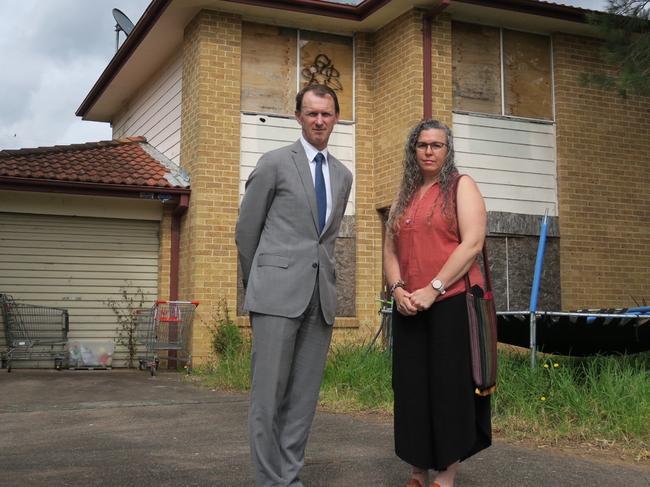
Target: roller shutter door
{"type": "Point", "coordinates": [79, 263]}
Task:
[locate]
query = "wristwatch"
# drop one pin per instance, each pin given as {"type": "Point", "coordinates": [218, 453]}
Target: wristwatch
{"type": "Point", "coordinates": [438, 286]}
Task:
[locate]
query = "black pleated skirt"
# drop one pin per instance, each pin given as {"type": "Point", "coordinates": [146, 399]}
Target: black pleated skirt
{"type": "Point", "coordinates": [438, 418]}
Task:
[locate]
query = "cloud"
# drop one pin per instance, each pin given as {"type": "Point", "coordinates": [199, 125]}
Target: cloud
{"type": "Point", "coordinates": [52, 53]}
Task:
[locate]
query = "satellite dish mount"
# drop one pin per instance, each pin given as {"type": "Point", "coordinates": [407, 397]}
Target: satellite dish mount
{"type": "Point", "coordinates": [122, 23]}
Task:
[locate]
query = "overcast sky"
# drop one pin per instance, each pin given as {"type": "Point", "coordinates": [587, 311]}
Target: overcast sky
{"type": "Point", "coordinates": [51, 54]}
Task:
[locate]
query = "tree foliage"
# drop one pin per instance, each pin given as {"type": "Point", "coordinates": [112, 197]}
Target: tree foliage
{"type": "Point", "coordinates": [626, 31]}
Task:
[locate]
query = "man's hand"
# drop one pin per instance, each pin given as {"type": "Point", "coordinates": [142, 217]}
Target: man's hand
{"type": "Point", "coordinates": [403, 302]}
{"type": "Point", "coordinates": [423, 298]}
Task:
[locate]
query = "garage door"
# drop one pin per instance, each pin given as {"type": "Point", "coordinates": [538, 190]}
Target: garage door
{"type": "Point", "coordinates": [81, 264]}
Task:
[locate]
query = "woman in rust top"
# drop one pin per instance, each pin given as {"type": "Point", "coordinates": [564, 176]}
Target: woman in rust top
{"type": "Point", "coordinates": [439, 421]}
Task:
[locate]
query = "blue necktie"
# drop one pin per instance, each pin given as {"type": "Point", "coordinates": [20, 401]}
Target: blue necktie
{"type": "Point", "coordinates": [321, 194]}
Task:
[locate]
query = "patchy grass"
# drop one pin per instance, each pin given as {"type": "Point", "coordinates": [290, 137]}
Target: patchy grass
{"type": "Point", "coordinates": [357, 379]}
{"type": "Point", "coordinates": [601, 402]}
{"type": "Point", "coordinates": [228, 372]}
{"type": "Point", "coordinates": [596, 403]}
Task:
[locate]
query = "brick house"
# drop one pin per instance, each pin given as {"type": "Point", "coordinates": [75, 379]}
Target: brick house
{"type": "Point", "coordinates": [211, 87]}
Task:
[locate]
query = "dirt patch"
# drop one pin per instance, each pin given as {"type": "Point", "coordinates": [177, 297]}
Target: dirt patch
{"type": "Point", "coordinates": [604, 451]}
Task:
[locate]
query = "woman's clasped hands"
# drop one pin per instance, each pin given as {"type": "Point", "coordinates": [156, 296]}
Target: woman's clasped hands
{"type": "Point", "coordinates": [409, 304]}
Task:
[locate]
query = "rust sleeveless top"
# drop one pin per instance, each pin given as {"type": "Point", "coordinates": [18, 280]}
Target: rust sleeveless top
{"type": "Point", "coordinates": [425, 241]}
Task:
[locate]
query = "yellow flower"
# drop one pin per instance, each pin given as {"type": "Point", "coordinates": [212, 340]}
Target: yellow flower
{"type": "Point", "coordinates": [556, 365]}
{"type": "Point", "coordinates": [543, 398]}
{"type": "Point", "coordinates": [546, 366]}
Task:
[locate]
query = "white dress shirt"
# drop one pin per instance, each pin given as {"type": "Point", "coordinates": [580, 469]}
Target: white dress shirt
{"type": "Point", "coordinates": [311, 152]}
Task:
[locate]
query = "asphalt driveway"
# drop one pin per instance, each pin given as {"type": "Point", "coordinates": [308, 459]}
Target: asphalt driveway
{"type": "Point", "coordinates": [123, 428]}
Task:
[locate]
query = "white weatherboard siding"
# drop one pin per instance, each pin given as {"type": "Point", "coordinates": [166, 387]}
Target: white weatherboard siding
{"type": "Point", "coordinates": [155, 112]}
{"type": "Point", "coordinates": [513, 162]}
{"type": "Point", "coordinates": [262, 133]}
{"type": "Point", "coordinates": [78, 263]}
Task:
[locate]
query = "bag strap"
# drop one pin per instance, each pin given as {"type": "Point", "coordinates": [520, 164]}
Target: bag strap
{"type": "Point", "coordinates": [486, 262]}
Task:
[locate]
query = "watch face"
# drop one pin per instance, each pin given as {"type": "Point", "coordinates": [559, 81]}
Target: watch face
{"type": "Point", "coordinates": [437, 284]}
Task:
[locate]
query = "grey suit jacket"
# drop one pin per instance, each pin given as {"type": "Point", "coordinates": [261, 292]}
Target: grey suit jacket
{"type": "Point", "coordinates": [280, 250]}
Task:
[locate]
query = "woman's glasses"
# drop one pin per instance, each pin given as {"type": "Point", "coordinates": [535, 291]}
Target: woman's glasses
{"type": "Point", "coordinates": [434, 146]}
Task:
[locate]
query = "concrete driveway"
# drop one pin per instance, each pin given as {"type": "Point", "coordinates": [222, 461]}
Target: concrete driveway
{"type": "Point", "coordinates": [125, 428]}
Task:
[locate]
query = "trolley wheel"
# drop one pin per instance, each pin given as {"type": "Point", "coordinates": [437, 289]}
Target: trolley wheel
{"type": "Point", "coordinates": [58, 364]}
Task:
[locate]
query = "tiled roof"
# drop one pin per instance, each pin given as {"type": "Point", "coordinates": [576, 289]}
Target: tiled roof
{"type": "Point", "coordinates": [585, 6]}
{"type": "Point", "coordinates": [125, 162]}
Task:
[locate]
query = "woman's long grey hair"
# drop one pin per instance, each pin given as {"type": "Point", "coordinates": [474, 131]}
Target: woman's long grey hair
{"type": "Point", "coordinates": [412, 179]}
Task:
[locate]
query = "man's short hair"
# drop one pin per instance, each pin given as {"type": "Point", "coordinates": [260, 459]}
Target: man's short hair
{"type": "Point", "coordinates": [318, 90]}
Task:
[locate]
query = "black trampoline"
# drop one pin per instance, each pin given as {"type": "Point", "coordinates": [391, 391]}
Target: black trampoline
{"type": "Point", "coordinates": [579, 333]}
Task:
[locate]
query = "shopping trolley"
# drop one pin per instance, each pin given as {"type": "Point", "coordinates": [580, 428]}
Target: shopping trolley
{"type": "Point", "coordinates": [165, 327]}
{"type": "Point", "coordinates": [33, 332]}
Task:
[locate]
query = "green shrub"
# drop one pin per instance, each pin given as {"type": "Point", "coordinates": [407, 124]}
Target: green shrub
{"type": "Point", "coordinates": [227, 338]}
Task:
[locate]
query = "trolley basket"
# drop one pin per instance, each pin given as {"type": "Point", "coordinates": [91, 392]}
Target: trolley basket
{"type": "Point", "coordinates": [33, 332]}
{"type": "Point", "coordinates": [163, 331]}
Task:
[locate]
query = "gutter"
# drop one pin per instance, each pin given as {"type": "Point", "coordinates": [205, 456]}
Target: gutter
{"type": "Point", "coordinates": [318, 7]}
{"type": "Point", "coordinates": [174, 262]}
{"type": "Point", "coordinates": [534, 7]}
{"type": "Point", "coordinates": [427, 52]}
{"type": "Point", "coordinates": [98, 189]}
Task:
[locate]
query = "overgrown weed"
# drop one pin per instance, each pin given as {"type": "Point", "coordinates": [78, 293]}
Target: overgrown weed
{"type": "Point", "coordinates": [595, 402]}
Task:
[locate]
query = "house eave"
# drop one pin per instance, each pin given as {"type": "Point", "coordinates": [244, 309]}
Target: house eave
{"type": "Point", "coordinates": [160, 31]}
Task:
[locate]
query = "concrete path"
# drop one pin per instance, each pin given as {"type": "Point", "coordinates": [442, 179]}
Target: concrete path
{"type": "Point", "coordinates": [125, 428]}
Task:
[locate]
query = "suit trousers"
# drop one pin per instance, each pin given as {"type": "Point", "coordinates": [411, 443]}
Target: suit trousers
{"type": "Point", "coordinates": [287, 369]}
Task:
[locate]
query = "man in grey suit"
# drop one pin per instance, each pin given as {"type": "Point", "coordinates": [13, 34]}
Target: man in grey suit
{"type": "Point", "coordinates": [288, 222]}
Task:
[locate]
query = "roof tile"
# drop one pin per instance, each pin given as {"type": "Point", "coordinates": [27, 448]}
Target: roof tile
{"type": "Point", "coordinates": [129, 161]}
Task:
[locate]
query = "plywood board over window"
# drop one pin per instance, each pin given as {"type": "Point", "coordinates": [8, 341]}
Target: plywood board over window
{"type": "Point", "coordinates": [268, 83]}
{"type": "Point", "coordinates": [476, 68]}
{"type": "Point", "coordinates": [327, 59]}
{"type": "Point", "coordinates": [527, 75]}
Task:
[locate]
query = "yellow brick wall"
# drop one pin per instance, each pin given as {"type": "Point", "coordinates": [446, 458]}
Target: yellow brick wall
{"type": "Point", "coordinates": [442, 100]}
{"type": "Point", "coordinates": [397, 64]}
{"type": "Point", "coordinates": [389, 101]}
{"type": "Point", "coordinates": [368, 223]}
{"type": "Point", "coordinates": [210, 153]}
{"type": "Point", "coordinates": [603, 165]}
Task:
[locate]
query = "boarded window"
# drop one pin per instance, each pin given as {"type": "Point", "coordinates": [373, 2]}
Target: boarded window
{"type": "Point", "coordinates": [476, 65]}
{"type": "Point", "coordinates": [268, 74]}
{"type": "Point", "coordinates": [273, 67]}
{"type": "Point", "coordinates": [527, 75]}
{"type": "Point", "coordinates": [327, 59]}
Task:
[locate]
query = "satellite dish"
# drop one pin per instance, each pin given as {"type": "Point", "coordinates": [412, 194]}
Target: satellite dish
{"type": "Point", "coordinates": [122, 24]}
